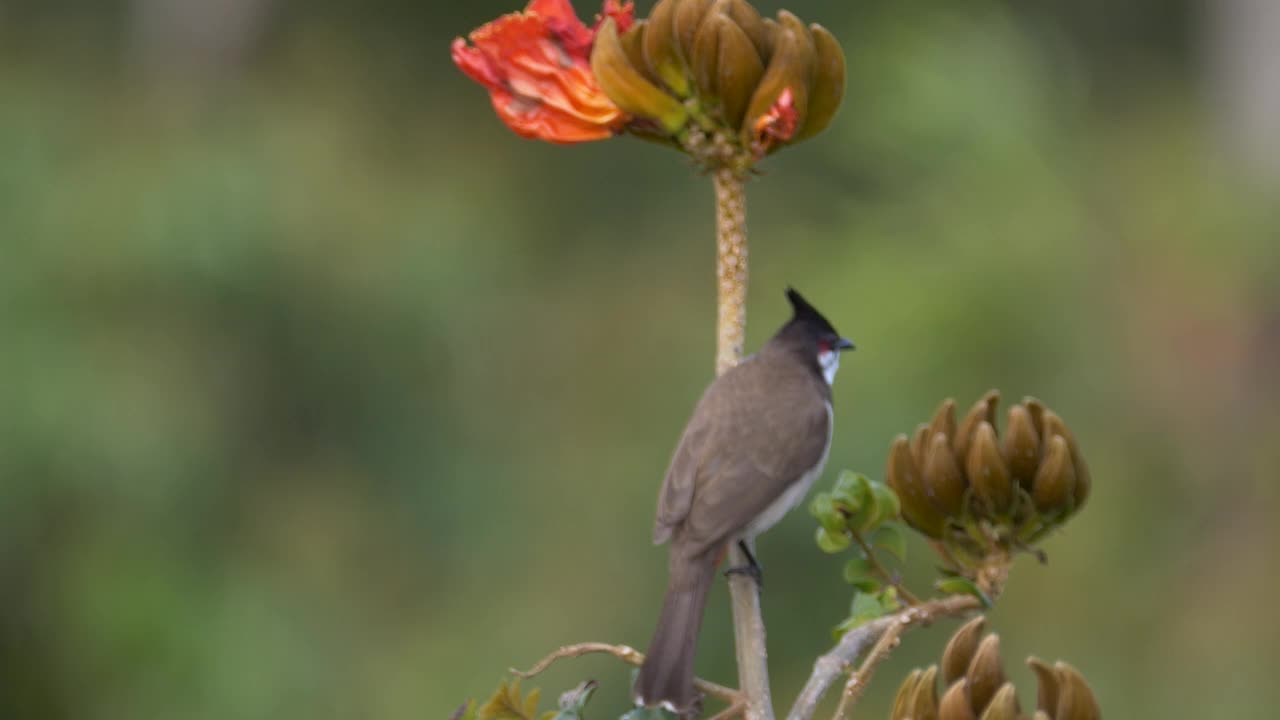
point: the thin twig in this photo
(859, 680)
(734, 710)
(628, 655)
(884, 574)
(853, 643)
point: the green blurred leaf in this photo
(832, 542)
(864, 608)
(852, 493)
(465, 712)
(887, 502)
(506, 703)
(824, 509)
(573, 701)
(891, 539)
(889, 600)
(846, 481)
(962, 586)
(858, 568)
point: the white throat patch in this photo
(829, 361)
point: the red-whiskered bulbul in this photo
(757, 440)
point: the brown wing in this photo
(709, 495)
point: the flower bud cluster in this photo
(976, 688)
(761, 82)
(974, 493)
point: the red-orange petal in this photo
(778, 125)
(536, 67)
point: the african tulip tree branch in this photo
(626, 654)
(829, 666)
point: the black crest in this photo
(808, 315)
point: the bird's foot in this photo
(752, 569)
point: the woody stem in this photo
(731, 296)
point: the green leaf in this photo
(824, 509)
(892, 540)
(887, 501)
(832, 542)
(865, 608)
(846, 481)
(866, 584)
(852, 493)
(889, 600)
(466, 712)
(573, 701)
(858, 568)
(963, 586)
(506, 704)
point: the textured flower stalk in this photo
(731, 268)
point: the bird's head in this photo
(812, 336)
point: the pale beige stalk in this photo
(731, 296)
(731, 267)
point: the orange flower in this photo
(778, 125)
(536, 66)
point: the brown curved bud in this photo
(960, 649)
(906, 693)
(920, 444)
(955, 703)
(627, 87)
(661, 54)
(738, 71)
(1021, 446)
(1084, 481)
(1075, 699)
(705, 54)
(1047, 682)
(1055, 481)
(688, 17)
(790, 68)
(924, 698)
(828, 83)
(983, 409)
(944, 420)
(1036, 410)
(987, 473)
(986, 673)
(745, 16)
(943, 481)
(632, 42)
(905, 479)
(1004, 705)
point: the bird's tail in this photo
(666, 677)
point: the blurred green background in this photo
(323, 395)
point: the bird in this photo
(757, 440)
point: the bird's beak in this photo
(845, 344)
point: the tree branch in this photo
(859, 680)
(827, 667)
(626, 654)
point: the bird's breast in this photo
(794, 493)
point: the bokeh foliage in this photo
(321, 395)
